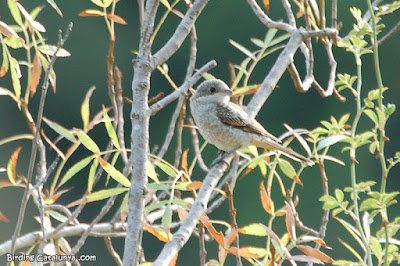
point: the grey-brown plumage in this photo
(227, 126)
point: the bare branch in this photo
(199, 206)
(267, 21)
(30, 239)
(180, 34)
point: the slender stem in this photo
(353, 162)
(381, 125)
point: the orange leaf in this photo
(266, 4)
(161, 234)
(184, 163)
(77, 202)
(315, 253)
(266, 200)
(298, 181)
(195, 185)
(36, 72)
(117, 19)
(3, 218)
(219, 237)
(13, 161)
(290, 222)
(231, 236)
(182, 214)
(3, 71)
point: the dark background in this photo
(220, 21)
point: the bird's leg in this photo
(222, 155)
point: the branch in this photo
(269, 23)
(276, 72)
(182, 89)
(199, 206)
(36, 141)
(180, 34)
(31, 239)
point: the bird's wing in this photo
(233, 115)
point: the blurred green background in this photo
(220, 21)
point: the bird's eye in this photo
(212, 90)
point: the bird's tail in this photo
(272, 145)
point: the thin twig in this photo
(36, 139)
(112, 251)
(120, 113)
(195, 141)
(155, 108)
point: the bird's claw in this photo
(218, 160)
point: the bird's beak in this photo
(228, 92)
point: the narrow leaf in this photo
(242, 49)
(12, 165)
(110, 129)
(115, 174)
(167, 217)
(75, 169)
(105, 194)
(85, 107)
(91, 13)
(116, 19)
(60, 130)
(87, 141)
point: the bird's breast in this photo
(222, 136)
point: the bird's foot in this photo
(221, 156)
(220, 159)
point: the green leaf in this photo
(166, 4)
(15, 75)
(124, 204)
(329, 141)
(75, 169)
(92, 173)
(107, 3)
(158, 186)
(54, 5)
(105, 193)
(151, 172)
(329, 202)
(87, 141)
(343, 120)
(60, 130)
(51, 49)
(269, 36)
(279, 39)
(56, 215)
(110, 129)
(167, 217)
(371, 114)
(255, 229)
(15, 12)
(339, 195)
(85, 108)
(99, 3)
(258, 42)
(115, 174)
(287, 168)
(167, 168)
(336, 211)
(242, 49)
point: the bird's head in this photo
(214, 90)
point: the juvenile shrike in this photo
(227, 126)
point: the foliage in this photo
(170, 190)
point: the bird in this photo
(227, 126)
